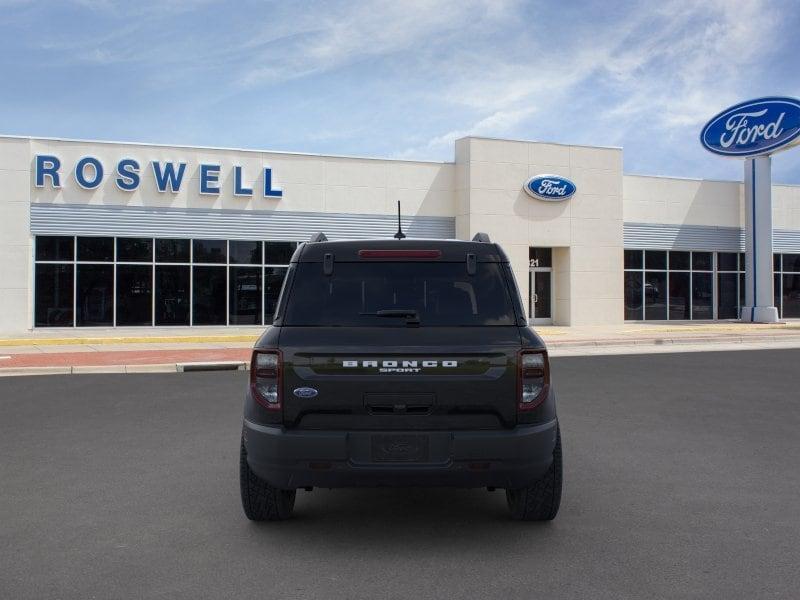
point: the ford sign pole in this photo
(754, 130)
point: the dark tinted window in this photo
(633, 259)
(791, 296)
(172, 295)
(442, 294)
(50, 247)
(134, 249)
(95, 298)
(791, 263)
(172, 250)
(208, 300)
(245, 296)
(655, 259)
(702, 296)
(776, 262)
(701, 261)
(97, 249)
(727, 296)
(679, 296)
(134, 295)
(245, 253)
(727, 261)
(655, 295)
(679, 261)
(210, 251)
(279, 253)
(633, 296)
(53, 295)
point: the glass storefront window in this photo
(791, 296)
(53, 296)
(633, 259)
(134, 250)
(172, 251)
(727, 261)
(134, 295)
(245, 253)
(278, 253)
(679, 261)
(245, 296)
(633, 296)
(727, 296)
(679, 295)
(702, 261)
(208, 299)
(209, 251)
(702, 296)
(102, 279)
(172, 294)
(655, 259)
(94, 301)
(540, 257)
(791, 263)
(96, 249)
(655, 296)
(55, 247)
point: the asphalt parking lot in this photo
(681, 481)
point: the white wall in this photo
(589, 223)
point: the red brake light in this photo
(534, 378)
(400, 254)
(266, 368)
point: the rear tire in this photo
(261, 501)
(540, 500)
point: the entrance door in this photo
(540, 305)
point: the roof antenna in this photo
(399, 235)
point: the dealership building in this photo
(107, 234)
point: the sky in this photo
(402, 78)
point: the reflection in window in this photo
(655, 296)
(96, 249)
(679, 296)
(172, 295)
(134, 295)
(278, 253)
(245, 253)
(95, 295)
(245, 296)
(633, 296)
(134, 250)
(53, 296)
(727, 295)
(702, 296)
(54, 247)
(210, 251)
(208, 299)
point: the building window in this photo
(787, 285)
(90, 281)
(682, 285)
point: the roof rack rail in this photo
(482, 237)
(318, 237)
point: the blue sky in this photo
(399, 78)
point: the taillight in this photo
(265, 378)
(534, 378)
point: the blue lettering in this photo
(80, 172)
(269, 191)
(47, 166)
(166, 176)
(209, 178)
(128, 171)
(238, 188)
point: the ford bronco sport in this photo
(400, 363)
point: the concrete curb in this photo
(132, 369)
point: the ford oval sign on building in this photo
(550, 187)
(753, 128)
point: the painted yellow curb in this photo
(185, 339)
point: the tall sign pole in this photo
(754, 130)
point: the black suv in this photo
(400, 363)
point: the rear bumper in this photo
(505, 459)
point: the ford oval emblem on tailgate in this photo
(305, 392)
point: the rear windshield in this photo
(438, 294)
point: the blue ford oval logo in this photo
(550, 187)
(305, 392)
(760, 126)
